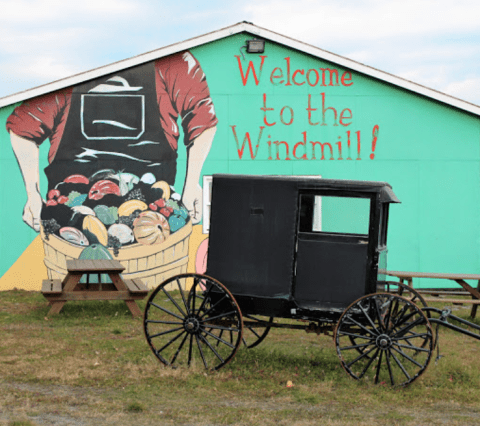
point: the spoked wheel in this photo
(384, 337)
(255, 329)
(191, 319)
(407, 292)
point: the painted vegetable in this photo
(74, 236)
(151, 228)
(95, 251)
(76, 179)
(83, 210)
(105, 214)
(148, 178)
(128, 207)
(97, 228)
(102, 174)
(122, 232)
(126, 182)
(75, 199)
(102, 188)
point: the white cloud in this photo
(467, 89)
(43, 11)
(431, 42)
(365, 20)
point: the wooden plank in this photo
(440, 292)
(440, 275)
(475, 293)
(56, 307)
(94, 295)
(136, 286)
(134, 309)
(51, 286)
(97, 265)
(454, 301)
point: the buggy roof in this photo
(315, 183)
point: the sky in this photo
(435, 43)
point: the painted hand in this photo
(31, 211)
(192, 200)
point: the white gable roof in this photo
(236, 29)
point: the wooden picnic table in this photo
(58, 292)
(468, 290)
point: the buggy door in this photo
(332, 258)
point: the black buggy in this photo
(298, 253)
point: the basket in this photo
(153, 264)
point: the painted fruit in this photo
(102, 188)
(128, 207)
(97, 228)
(151, 228)
(165, 187)
(122, 232)
(95, 251)
(74, 236)
(76, 179)
(176, 222)
(173, 204)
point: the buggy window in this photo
(327, 214)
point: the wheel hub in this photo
(383, 342)
(192, 325)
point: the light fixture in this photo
(255, 46)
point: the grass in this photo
(91, 365)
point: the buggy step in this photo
(136, 286)
(52, 286)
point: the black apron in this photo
(114, 123)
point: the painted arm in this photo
(196, 156)
(27, 154)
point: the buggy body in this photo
(298, 247)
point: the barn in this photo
(83, 156)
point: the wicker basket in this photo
(153, 264)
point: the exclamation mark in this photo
(374, 141)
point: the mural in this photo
(112, 166)
(120, 183)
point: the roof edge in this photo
(231, 30)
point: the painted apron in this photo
(114, 123)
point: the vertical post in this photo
(473, 312)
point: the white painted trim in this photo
(236, 29)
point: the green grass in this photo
(92, 362)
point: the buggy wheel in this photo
(192, 319)
(385, 338)
(255, 329)
(403, 289)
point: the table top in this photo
(90, 265)
(406, 274)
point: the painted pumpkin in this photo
(151, 228)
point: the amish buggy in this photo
(299, 253)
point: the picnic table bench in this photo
(58, 292)
(438, 293)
